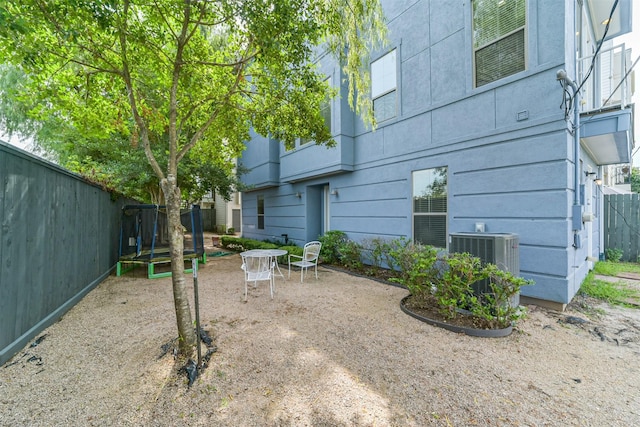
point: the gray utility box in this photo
(500, 249)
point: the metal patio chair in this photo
(309, 258)
(257, 267)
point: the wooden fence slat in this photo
(58, 239)
(634, 247)
(622, 224)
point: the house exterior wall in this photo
(506, 146)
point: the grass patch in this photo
(609, 268)
(612, 292)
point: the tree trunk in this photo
(186, 332)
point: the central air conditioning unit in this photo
(500, 249)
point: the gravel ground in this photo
(337, 351)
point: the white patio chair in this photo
(309, 258)
(257, 267)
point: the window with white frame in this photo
(499, 39)
(383, 87)
(430, 206)
(260, 212)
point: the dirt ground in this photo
(336, 351)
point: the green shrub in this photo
(497, 306)
(374, 250)
(240, 244)
(446, 281)
(453, 288)
(350, 253)
(331, 243)
(233, 243)
(415, 264)
(613, 254)
(291, 250)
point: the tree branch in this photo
(126, 76)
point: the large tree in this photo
(189, 77)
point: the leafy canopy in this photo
(168, 75)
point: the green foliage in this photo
(612, 292)
(417, 266)
(177, 85)
(241, 244)
(332, 241)
(453, 289)
(613, 254)
(496, 306)
(446, 281)
(635, 180)
(351, 255)
(607, 268)
(377, 251)
(291, 250)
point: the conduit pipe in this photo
(561, 75)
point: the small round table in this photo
(275, 253)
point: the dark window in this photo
(260, 212)
(498, 39)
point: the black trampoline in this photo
(144, 238)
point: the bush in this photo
(613, 254)
(240, 244)
(453, 289)
(497, 307)
(446, 282)
(350, 253)
(373, 250)
(292, 250)
(415, 264)
(331, 243)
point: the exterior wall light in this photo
(596, 179)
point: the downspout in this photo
(561, 75)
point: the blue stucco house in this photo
(477, 131)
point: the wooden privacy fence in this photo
(208, 219)
(59, 240)
(622, 224)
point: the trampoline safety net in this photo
(144, 232)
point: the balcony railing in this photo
(606, 86)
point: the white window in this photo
(430, 207)
(383, 86)
(498, 39)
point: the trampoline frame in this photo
(152, 256)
